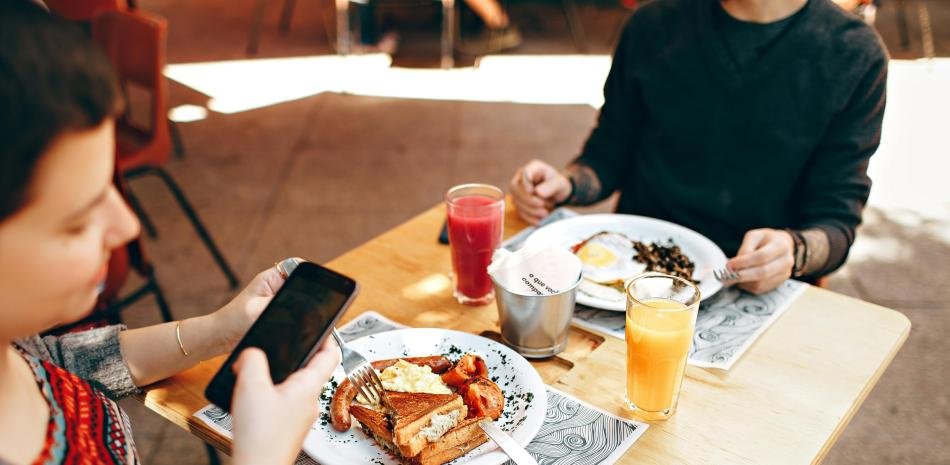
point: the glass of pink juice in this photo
(476, 214)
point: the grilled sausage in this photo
(346, 392)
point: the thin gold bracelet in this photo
(178, 336)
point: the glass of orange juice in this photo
(661, 315)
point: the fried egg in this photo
(608, 257)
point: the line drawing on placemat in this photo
(575, 433)
(733, 319)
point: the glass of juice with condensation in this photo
(476, 214)
(661, 316)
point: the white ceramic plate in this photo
(703, 252)
(525, 395)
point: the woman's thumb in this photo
(252, 369)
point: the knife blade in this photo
(507, 443)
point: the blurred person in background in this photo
(493, 33)
(497, 33)
(60, 217)
(749, 121)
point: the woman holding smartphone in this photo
(60, 216)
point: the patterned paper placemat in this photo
(573, 432)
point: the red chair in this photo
(134, 41)
(84, 10)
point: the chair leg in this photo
(159, 297)
(286, 14)
(195, 221)
(255, 31)
(575, 25)
(213, 457)
(114, 311)
(926, 30)
(448, 34)
(177, 143)
(147, 223)
(342, 27)
(326, 21)
(903, 36)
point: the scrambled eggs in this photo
(406, 377)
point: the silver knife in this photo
(507, 443)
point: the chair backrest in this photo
(83, 10)
(134, 41)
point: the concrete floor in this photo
(309, 171)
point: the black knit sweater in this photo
(784, 143)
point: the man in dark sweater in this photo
(750, 121)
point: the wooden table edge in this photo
(869, 385)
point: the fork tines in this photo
(368, 384)
(725, 275)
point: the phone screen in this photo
(289, 330)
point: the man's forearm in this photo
(587, 186)
(817, 246)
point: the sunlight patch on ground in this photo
(939, 231)
(241, 85)
(910, 168)
(877, 249)
(187, 113)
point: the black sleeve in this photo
(836, 185)
(608, 148)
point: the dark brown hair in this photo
(53, 79)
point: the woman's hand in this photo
(764, 260)
(271, 422)
(236, 316)
(536, 188)
(153, 353)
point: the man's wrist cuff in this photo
(570, 195)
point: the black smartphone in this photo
(444, 233)
(291, 328)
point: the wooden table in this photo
(786, 401)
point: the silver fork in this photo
(361, 373)
(725, 275)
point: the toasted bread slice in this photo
(376, 424)
(454, 444)
(419, 419)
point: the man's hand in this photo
(536, 188)
(271, 422)
(764, 260)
